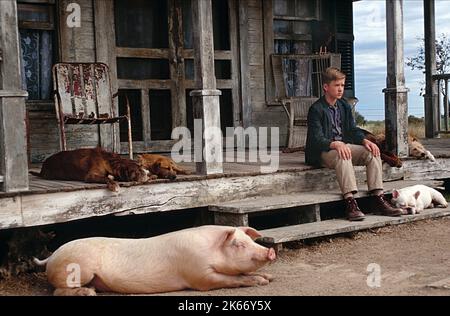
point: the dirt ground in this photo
(410, 257)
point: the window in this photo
(307, 27)
(37, 44)
(292, 25)
(288, 29)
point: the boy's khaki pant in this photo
(345, 172)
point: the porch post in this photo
(206, 97)
(431, 87)
(396, 94)
(13, 145)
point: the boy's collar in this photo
(328, 104)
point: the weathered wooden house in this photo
(172, 57)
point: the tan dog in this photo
(162, 166)
(416, 149)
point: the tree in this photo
(442, 56)
(360, 120)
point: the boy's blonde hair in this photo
(332, 74)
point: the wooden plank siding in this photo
(13, 146)
(261, 114)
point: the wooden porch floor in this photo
(49, 202)
(292, 162)
(288, 162)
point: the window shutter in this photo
(344, 41)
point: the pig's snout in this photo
(271, 254)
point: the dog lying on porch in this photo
(93, 165)
(162, 166)
(416, 149)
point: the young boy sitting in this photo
(334, 141)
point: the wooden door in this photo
(154, 59)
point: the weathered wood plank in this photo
(269, 48)
(424, 169)
(244, 64)
(105, 52)
(227, 219)
(339, 226)
(234, 26)
(178, 93)
(206, 98)
(431, 86)
(261, 204)
(146, 122)
(156, 84)
(396, 94)
(57, 207)
(13, 145)
(13, 217)
(142, 52)
(78, 43)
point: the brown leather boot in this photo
(380, 205)
(352, 210)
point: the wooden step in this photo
(259, 204)
(235, 213)
(338, 226)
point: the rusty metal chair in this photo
(83, 95)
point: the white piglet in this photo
(201, 258)
(416, 198)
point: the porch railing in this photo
(443, 106)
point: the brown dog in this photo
(386, 156)
(92, 165)
(162, 166)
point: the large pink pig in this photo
(202, 258)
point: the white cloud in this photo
(370, 51)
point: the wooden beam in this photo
(396, 94)
(13, 146)
(244, 57)
(431, 88)
(105, 52)
(206, 97)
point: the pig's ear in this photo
(416, 195)
(253, 233)
(229, 235)
(395, 194)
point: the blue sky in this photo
(370, 52)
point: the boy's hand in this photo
(373, 148)
(343, 150)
